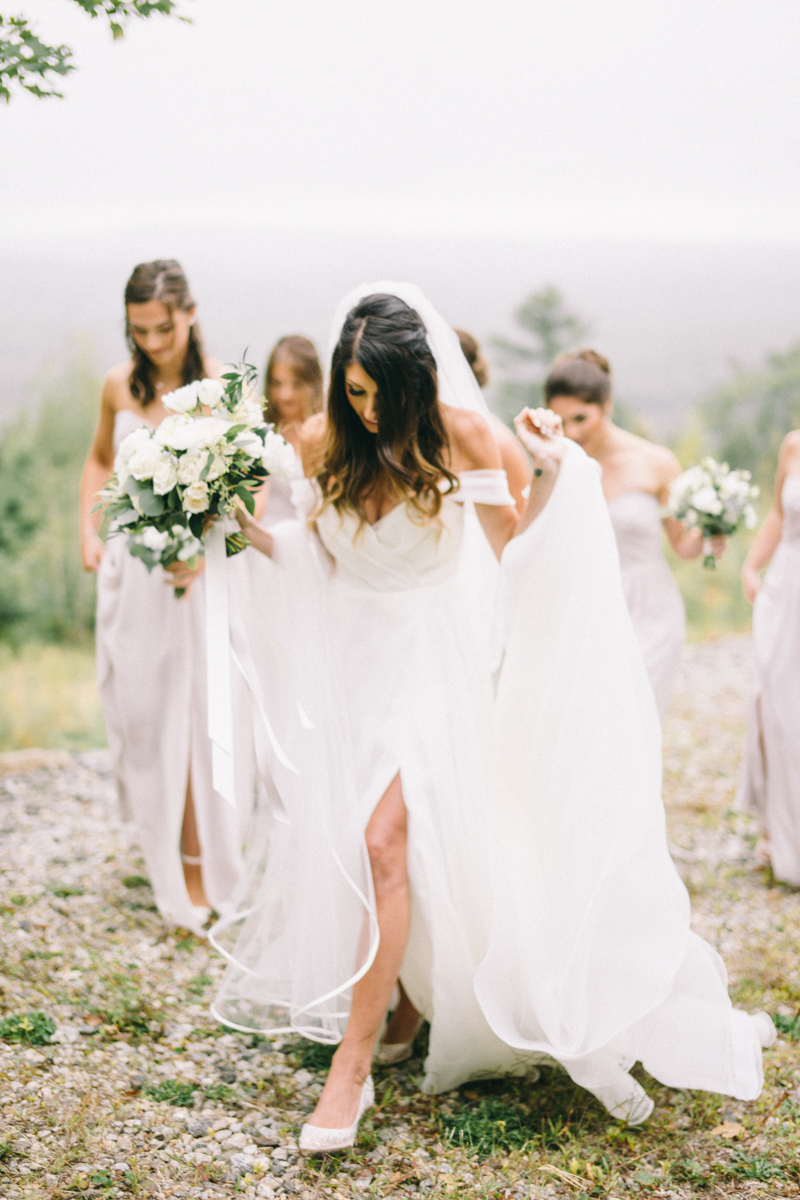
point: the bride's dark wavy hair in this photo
(387, 339)
(164, 280)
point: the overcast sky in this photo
(665, 118)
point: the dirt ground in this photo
(116, 1081)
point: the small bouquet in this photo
(213, 450)
(714, 499)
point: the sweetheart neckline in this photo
(633, 492)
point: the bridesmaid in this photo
(516, 463)
(636, 478)
(292, 393)
(150, 646)
(770, 779)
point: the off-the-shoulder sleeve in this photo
(484, 487)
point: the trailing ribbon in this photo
(218, 662)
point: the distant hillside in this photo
(670, 317)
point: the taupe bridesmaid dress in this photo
(152, 678)
(653, 597)
(770, 778)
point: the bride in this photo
(435, 823)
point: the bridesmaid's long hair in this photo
(387, 339)
(584, 374)
(299, 353)
(165, 281)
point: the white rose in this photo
(706, 500)
(183, 400)
(249, 443)
(278, 457)
(145, 459)
(218, 467)
(195, 498)
(165, 475)
(190, 465)
(153, 539)
(210, 392)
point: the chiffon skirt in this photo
(548, 921)
(152, 681)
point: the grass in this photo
(715, 603)
(48, 698)
(31, 1028)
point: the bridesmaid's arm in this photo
(96, 471)
(687, 543)
(770, 533)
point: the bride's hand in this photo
(542, 434)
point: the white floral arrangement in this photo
(212, 451)
(714, 499)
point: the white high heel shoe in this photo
(315, 1140)
(767, 1033)
(390, 1053)
(625, 1099)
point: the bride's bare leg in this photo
(190, 846)
(403, 1021)
(386, 843)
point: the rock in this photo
(198, 1128)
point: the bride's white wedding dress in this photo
(152, 681)
(547, 917)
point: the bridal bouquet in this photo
(213, 450)
(714, 499)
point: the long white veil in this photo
(458, 386)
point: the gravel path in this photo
(115, 1081)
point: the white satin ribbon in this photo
(218, 663)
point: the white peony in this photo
(195, 498)
(176, 432)
(190, 547)
(210, 392)
(145, 459)
(126, 449)
(183, 400)
(278, 457)
(209, 430)
(165, 475)
(706, 500)
(249, 443)
(190, 465)
(153, 539)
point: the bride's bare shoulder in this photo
(313, 433)
(472, 443)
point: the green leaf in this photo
(96, 508)
(246, 496)
(151, 504)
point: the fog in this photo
(642, 156)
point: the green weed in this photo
(31, 1028)
(171, 1091)
(136, 881)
